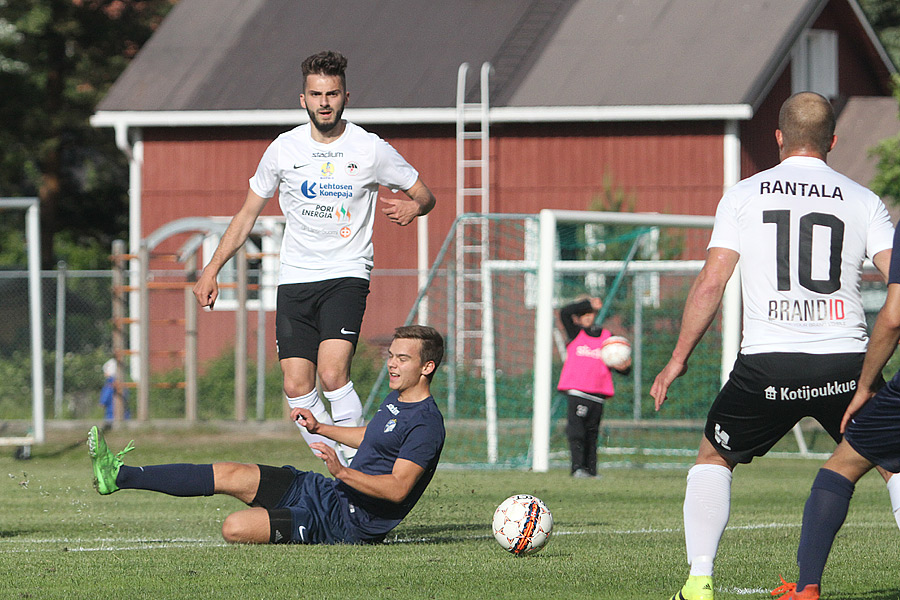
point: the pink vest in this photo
(584, 370)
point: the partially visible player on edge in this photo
(871, 428)
(398, 454)
(800, 232)
(327, 173)
(586, 381)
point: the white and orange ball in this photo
(616, 352)
(522, 524)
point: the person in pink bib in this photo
(586, 381)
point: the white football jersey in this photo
(802, 230)
(328, 194)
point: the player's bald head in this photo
(806, 122)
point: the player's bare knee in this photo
(332, 378)
(296, 388)
(234, 530)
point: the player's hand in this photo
(859, 400)
(328, 454)
(401, 211)
(206, 290)
(672, 371)
(305, 418)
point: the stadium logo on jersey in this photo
(722, 437)
(806, 392)
(394, 410)
(799, 188)
(390, 425)
(352, 168)
(328, 154)
(807, 311)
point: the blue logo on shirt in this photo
(389, 426)
(309, 189)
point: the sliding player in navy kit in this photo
(398, 454)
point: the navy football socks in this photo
(175, 480)
(825, 511)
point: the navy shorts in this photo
(874, 431)
(307, 313)
(767, 394)
(317, 514)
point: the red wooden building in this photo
(673, 100)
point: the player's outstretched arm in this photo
(403, 211)
(394, 487)
(349, 436)
(700, 308)
(885, 335)
(206, 290)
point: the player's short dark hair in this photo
(432, 343)
(326, 62)
(807, 121)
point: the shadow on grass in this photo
(441, 534)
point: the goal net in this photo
(494, 291)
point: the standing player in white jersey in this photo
(800, 232)
(327, 173)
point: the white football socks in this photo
(893, 486)
(346, 409)
(707, 504)
(312, 402)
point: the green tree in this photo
(57, 60)
(886, 182)
(884, 16)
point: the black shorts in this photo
(874, 431)
(307, 313)
(767, 394)
(316, 511)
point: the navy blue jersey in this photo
(413, 431)
(894, 274)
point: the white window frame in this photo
(271, 246)
(814, 63)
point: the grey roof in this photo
(246, 54)
(861, 124)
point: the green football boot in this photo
(698, 587)
(106, 464)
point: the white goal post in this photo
(33, 245)
(543, 340)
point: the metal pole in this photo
(190, 343)
(60, 338)
(260, 352)
(543, 345)
(118, 330)
(240, 341)
(33, 241)
(638, 285)
(143, 401)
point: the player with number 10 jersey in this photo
(810, 228)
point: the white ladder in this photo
(472, 196)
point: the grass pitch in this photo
(618, 537)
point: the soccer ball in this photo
(522, 524)
(615, 352)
